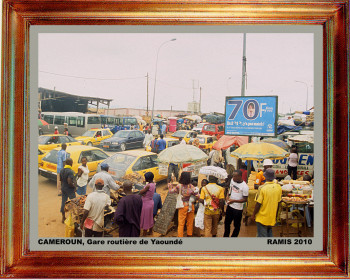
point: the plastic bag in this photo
(69, 232)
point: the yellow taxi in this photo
(206, 142)
(51, 141)
(94, 136)
(41, 154)
(127, 162)
(169, 143)
(48, 166)
(184, 134)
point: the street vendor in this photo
(109, 183)
(260, 179)
(93, 217)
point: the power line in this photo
(89, 78)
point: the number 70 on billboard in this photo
(251, 115)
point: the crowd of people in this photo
(200, 207)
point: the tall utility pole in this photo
(200, 100)
(244, 69)
(147, 95)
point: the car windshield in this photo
(121, 134)
(119, 162)
(180, 134)
(43, 139)
(201, 140)
(200, 125)
(89, 133)
(52, 156)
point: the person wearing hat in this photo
(260, 179)
(267, 203)
(93, 217)
(56, 130)
(109, 183)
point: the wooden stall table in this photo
(288, 218)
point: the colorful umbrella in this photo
(216, 171)
(277, 142)
(181, 154)
(42, 122)
(302, 138)
(259, 151)
(227, 141)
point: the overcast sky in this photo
(115, 65)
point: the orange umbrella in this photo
(227, 141)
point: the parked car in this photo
(199, 128)
(123, 140)
(206, 142)
(41, 154)
(48, 167)
(94, 136)
(214, 130)
(127, 162)
(169, 143)
(52, 141)
(185, 134)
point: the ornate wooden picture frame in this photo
(17, 260)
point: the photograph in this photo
(159, 124)
(142, 119)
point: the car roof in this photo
(136, 153)
(184, 130)
(78, 148)
(170, 139)
(52, 135)
(95, 129)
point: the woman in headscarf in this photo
(147, 222)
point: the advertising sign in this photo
(305, 165)
(251, 115)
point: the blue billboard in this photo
(251, 115)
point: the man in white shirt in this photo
(93, 217)
(237, 195)
(148, 139)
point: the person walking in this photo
(267, 203)
(148, 139)
(146, 221)
(61, 158)
(154, 146)
(68, 187)
(237, 195)
(93, 216)
(83, 177)
(109, 182)
(161, 144)
(293, 163)
(128, 213)
(185, 215)
(213, 198)
(173, 169)
(56, 130)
